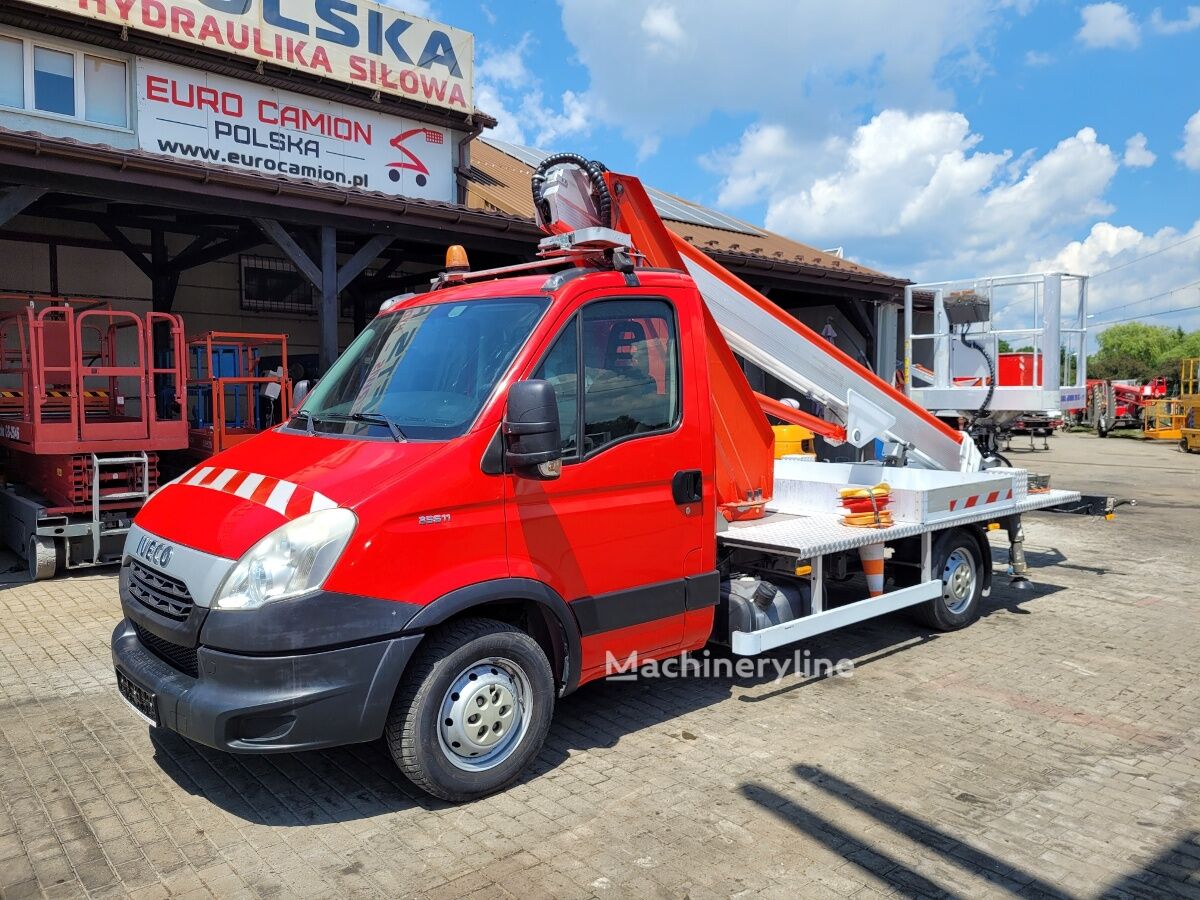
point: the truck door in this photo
(611, 534)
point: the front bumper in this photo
(271, 703)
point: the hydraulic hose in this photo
(982, 412)
(595, 172)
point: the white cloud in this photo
(507, 90)
(907, 187)
(1037, 58)
(1108, 25)
(661, 24)
(1189, 22)
(506, 67)
(660, 68)
(1189, 154)
(1135, 275)
(1137, 154)
(547, 125)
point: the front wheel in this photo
(957, 560)
(472, 711)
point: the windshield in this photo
(422, 373)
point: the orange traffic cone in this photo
(872, 564)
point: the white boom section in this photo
(771, 345)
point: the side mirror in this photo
(531, 431)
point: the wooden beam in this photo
(327, 311)
(285, 242)
(13, 203)
(389, 267)
(365, 255)
(190, 259)
(126, 246)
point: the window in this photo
(12, 72)
(53, 81)
(561, 369)
(40, 77)
(425, 370)
(275, 285)
(630, 356)
(104, 89)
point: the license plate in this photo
(140, 700)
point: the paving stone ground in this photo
(1051, 750)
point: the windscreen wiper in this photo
(377, 419)
(309, 421)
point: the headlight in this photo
(293, 559)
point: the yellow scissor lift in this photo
(1189, 401)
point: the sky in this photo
(933, 140)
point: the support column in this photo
(327, 308)
(886, 316)
(325, 275)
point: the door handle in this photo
(687, 486)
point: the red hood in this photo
(226, 504)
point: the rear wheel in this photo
(472, 711)
(42, 556)
(956, 559)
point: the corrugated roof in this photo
(499, 181)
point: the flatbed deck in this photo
(818, 534)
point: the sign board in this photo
(355, 41)
(210, 119)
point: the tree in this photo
(1147, 343)
(1115, 367)
(1140, 351)
(1003, 346)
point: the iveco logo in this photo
(154, 551)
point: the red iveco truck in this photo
(510, 480)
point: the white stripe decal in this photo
(200, 475)
(226, 476)
(246, 488)
(320, 501)
(278, 500)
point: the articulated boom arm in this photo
(767, 336)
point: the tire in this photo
(41, 554)
(956, 558)
(465, 677)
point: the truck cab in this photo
(494, 488)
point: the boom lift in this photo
(955, 367)
(533, 477)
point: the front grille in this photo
(174, 655)
(165, 595)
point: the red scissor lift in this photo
(88, 396)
